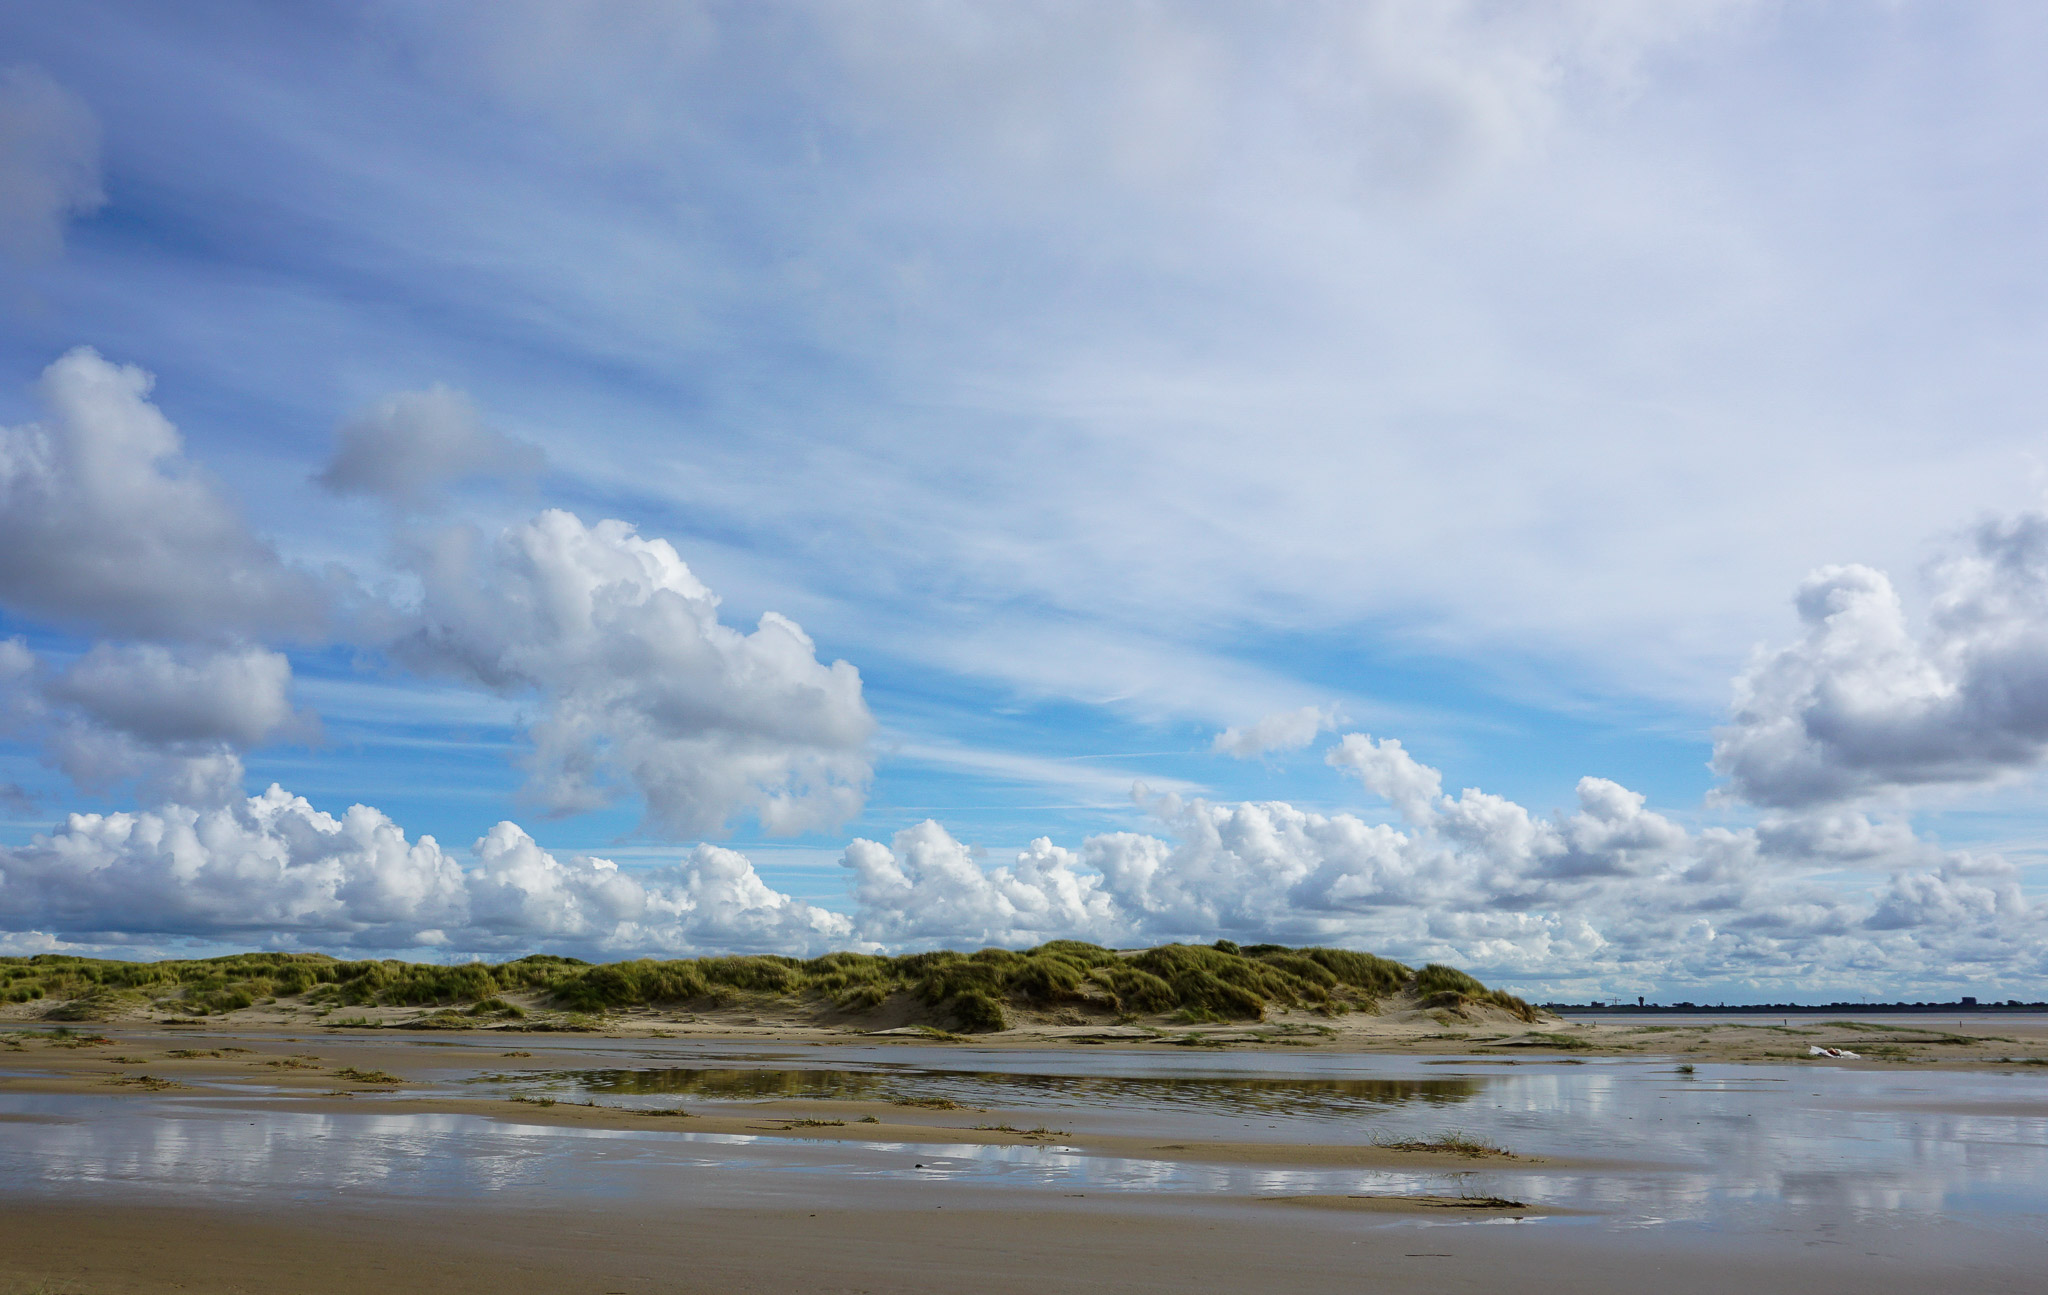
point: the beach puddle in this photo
(1146, 1095)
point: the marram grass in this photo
(972, 992)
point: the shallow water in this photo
(1741, 1148)
(1146, 1095)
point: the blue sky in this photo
(1542, 387)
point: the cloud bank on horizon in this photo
(1098, 555)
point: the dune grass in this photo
(946, 990)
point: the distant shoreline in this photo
(1786, 1009)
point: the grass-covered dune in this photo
(974, 992)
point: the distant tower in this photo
(1639, 1000)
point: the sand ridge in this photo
(1401, 1026)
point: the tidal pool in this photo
(1739, 1148)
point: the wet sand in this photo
(798, 1193)
(1401, 1027)
(928, 1247)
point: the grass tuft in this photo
(353, 1075)
(1546, 1039)
(1454, 1143)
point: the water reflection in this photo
(1760, 1147)
(109, 1145)
(1288, 1097)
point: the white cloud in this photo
(101, 760)
(1612, 894)
(1608, 896)
(643, 689)
(240, 696)
(1413, 93)
(930, 889)
(172, 720)
(272, 869)
(1287, 730)
(1861, 706)
(1088, 783)
(411, 445)
(49, 163)
(1389, 772)
(106, 525)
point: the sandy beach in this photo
(701, 1156)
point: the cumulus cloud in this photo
(643, 689)
(49, 163)
(240, 696)
(930, 888)
(1287, 730)
(106, 525)
(272, 869)
(1609, 895)
(1861, 706)
(171, 720)
(1389, 772)
(413, 444)
(102, 760)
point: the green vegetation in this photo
(1449, 987)
(63, 1038)
(947, 991)
(1454, 1143)
(1545, 1039)
(354, 1075)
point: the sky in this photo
(1555, 488)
